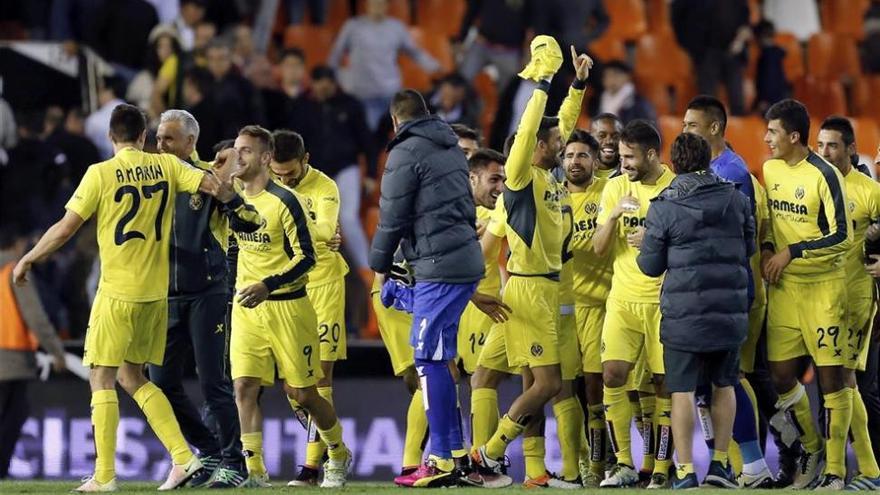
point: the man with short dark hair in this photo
(468, 139)
(427, 210)
(836, 144)
(700, 234)
(620, 95)
(807, 300)
(606, 128)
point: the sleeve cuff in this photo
(271, 283)
(768, 246)
(544, 85)
(578, 84)
(796, 250)
(234, 203)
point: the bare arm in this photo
(52, 240)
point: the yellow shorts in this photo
(123, 331)
(473, 329)
(329, 302)
(640, 377)
(860, 314)
(569, 350)
(395, 327)
(627, 328)
(494, 353)
(589, 326)
(807, 319)
(757, 315)
(276, 333)
(531, 331)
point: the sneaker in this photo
(584, 467)
(181, 473)
(542, 481)
(335, 472)
(592, 480)
(831, 482)
(408, 470)
(210, 464)
(621, 476)
(428, 475)
(689, 482)
(564, 484)
(720, 476)
(90, 485)
(229, 476)
(659, 481)
(809, 469)
(644, 478)
(307, 477)
(864, 483)
(788, 466)
(256, 481)
(465, 473)
(761, 481)
(492, 470)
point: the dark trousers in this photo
(870, 390)
(14, 411)
(198, 324)
(720, 66)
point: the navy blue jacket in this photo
(427, 207)
(700, 232)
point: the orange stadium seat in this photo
(488, 92)
(866, 100)
(438, 47)
(608, 48)
(658, 94)
(844, 17)
(746, 137)
(792, 64)
(660, 58)
(628, 20)
(396, 8)
(440, 17)
(822, 97)
(658, 16)
(670, 128)
(867, 135)
(315, 41)
(338, 12)
(832, 56)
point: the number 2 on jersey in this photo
(148, 192)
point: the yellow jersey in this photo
(863, 203)
(628, 282)
(321, 197)
(532, 195)
(606, 174)
(762, 227)
(281, 252)
(566, 276)
(132, 196)
(592, 273)
(808, 214)
(491, 284)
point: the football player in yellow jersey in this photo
(804, 266)
(632, 312)
(836, 144)
(129, 195)
(535, 235)
(606, 128)
(326, 286)
(592, 281)
(273, 321)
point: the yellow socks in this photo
(416, 431)
(635, 406)
(569, 425)
(664, 449)
(649, 431)
(861, 442)
(508, 431)
(838, 416)
(751, 393)
(316, 447)
(618, 416)
(534, 452)
(597, 436)
(803, 417)
(720, 456)
(736, 458)
(684, 469)
(161, 418)
(333, 438)
(252, 447)
(105, 420)
(484, 415)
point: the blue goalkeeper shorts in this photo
(437, 309)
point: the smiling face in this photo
(488, 184)
(607, 132)
(833, 149)
(635, 161)
(289, 172)
(780, 141)
(698, 122)
(171, 138)
(252, 157)
(578, 163)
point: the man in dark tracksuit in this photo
(197, 299)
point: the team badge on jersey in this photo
(537, 350)
(196, 202)
(591, 208)
(799, 193)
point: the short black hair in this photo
(323, 72)
(841, 125)
(690, 153)
(642, 133)
(127, 123)
(465, 132)
(583, 137)
(293, 52)
(619, 65)
(547, 123)
(289, 145)
(711, 106)
(483, 157)
(793, 116)
(408, 104)
(223, 145)
(261, 134)
(608, 116)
